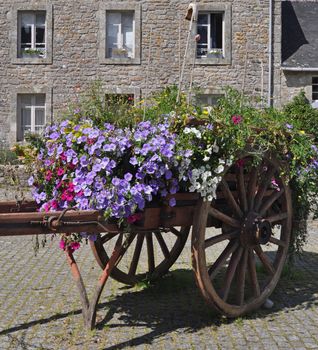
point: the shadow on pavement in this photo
(174, 304)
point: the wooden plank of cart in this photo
(251, 217)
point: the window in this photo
(205, 100)
(31, 114)
(214, 29)
(120, 99)
(119, 41)
(315, 89)
(120, 34)
(210, 29)
(32, 34)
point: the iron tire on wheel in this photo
(238, 267)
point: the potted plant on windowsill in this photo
(33, 53)
(215, 53)
(119, 53)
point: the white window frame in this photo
(209, 32)
(124, 6)
(15, 33)
(225, 57)
(120, 35)
(33, 32)
(33, 107)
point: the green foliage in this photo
(303, 114)
(8, 157)
(101, 108)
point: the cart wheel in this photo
(238, 265)
(149, 254)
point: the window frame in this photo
(15, 106)
(226, 10)
(126, 90)
(33, 107)
(15, 33)
(314, 91)
(119, 7)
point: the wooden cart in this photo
(249, 224)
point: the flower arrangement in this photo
(93, 164)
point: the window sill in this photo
(32, 60)
(213, 61)
(123, 60)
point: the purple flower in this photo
(172, 202)
(289, 126)
(128, 177)
(133, 161)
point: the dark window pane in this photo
(315, 80)
(202, 19)
(315, 96)
(217, 30)
(203, 31)
(40, 35)
(25, 35)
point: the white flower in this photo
(219, 169)
(215, 147)
(206, 158)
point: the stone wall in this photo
(13, 183)
(75, 60)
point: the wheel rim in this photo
(253, 214)
(149, 255)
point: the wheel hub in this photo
(255, 230)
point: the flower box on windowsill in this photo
(119, 53)
(215, 54)
(30, 53)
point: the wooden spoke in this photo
(151, 256)
(265, 260)
(219, 238)
(251, 188)
(262, 189)
(136, 256)
(108, 236)
(241, 188)
(127, 243)
(277, 218)
(224, 218)
(253, 274)
(269, 202)
(241, 274)
(162, 244)
(220, 261)
(235, 258)
(176, 232)
(278, 242)
(230, 199)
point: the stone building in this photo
(52, 50)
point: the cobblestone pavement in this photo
(40, 307)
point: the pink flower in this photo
(62, 244)
(63, 156)
(46, 207)
(75, 246)
(275, 184)
(240, 163)
(54, 204)
(237, 119)
(133, 218)
(48, 175)
(60, 171)
(71, 187)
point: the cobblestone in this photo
(40, 307)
